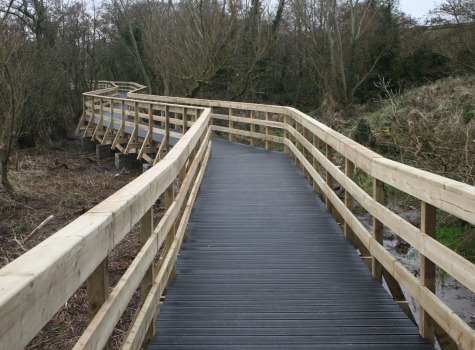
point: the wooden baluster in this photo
(150, 121)
(286, 133)
(350, 173)
(267, 131)
(253, 129)
(167, 129)
(295, 142)
(329, 179)
(101, 108)
(136, 115)
(378, 195)
(146, 230)
(169, 197)
(305, 152)
(230, 125)
(98, 291)
(428, 226)
(111, 102)
(185, 125)
(122, 112)
(299, 147)
(316, 164)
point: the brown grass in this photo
(63, 181)
(432, 128)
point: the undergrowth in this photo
(458, 238)
(431, 128)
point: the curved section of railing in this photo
(327, 158)
(36, 285)
(132, 126)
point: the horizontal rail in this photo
(37, 284)
(132, 126)
(303, 138)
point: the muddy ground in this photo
(63, 181)
(459, 298)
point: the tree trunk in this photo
(8, 134)
(139, 59)
(5, 182)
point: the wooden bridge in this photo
(260, 263)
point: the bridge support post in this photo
(103, 151)
(428, 226)
(88, 145)
(127, 161)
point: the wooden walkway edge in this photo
(265, 266)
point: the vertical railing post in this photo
(182, 176)
(146, 230)
(230, 125)
(169, 197)
(329, 179)
(122, 112)
(253, 129)
(150, 121)
(267, 131)
(428, 226)
(316, 164)
(136, 116)
(295, 126)
(167, 129)
(111, 102)
(92, 121)
(350, 173)
(185, 122)
(98, 290)
(101, 107)
(298, 145)
(305, 152)
(286, 133)
(378, 196)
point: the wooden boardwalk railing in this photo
(36, 285)
(132, 126)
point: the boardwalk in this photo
(265, 266)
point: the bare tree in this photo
(457, 17)
(15, 69)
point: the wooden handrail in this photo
(303, 141)
(36, 285)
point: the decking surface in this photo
(265, 266)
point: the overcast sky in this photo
(418, 8)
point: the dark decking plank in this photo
(265, 266)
